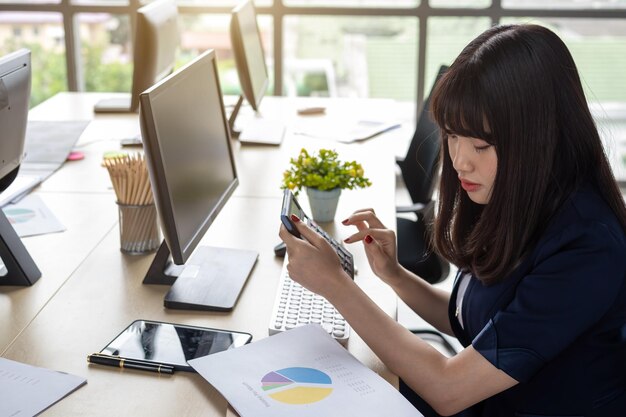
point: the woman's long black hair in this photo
(517, 87)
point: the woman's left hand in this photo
(380, 244)
(313, 263)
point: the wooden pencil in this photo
(131, 184)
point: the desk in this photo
(90, 291)
(57, 255)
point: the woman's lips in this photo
(469, 186)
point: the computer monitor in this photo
(248, 51)
(155, 46)
(250, 61)
(192, 174)
(245, 39)
(16, 266)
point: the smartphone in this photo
(290, 206)
(172, 344)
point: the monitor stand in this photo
(211, 279)
(19, 268)
(258, 130)
(233, 116)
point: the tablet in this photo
(172, 344)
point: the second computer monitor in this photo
(156, 43)
(155, 46)
(248, 51)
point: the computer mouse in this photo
(280, 249)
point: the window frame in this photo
(422, 12)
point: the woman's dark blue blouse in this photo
(557, 324)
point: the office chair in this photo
(420, 172)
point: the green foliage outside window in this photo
(313, 84)
(48, 70)
(110, 76)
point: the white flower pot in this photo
(323, 203)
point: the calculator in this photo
(290, 206)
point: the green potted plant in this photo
(324, 176)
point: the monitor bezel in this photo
(241, 62)
(180, 251)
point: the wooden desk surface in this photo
(90, 291)
(88, 218)
(106, 293)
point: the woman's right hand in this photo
(379, 242)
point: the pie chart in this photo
(297, 385)
(19, 215)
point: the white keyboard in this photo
(296, 306)
(259, 131)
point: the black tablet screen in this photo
(172, 344)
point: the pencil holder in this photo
(139, 230)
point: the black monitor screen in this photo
(189, 155)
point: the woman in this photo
(530, 213)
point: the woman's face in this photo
(475, 162)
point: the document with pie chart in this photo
(302, 372)
(30, 217)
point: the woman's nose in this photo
(461, 160)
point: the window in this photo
(47, 47)
(447, 36)
(350, 56)
(564, 4)
(478, 4)
(200, 32)
(349, 48)
(599, 51)
(106, 51)
(353, 3)
(218, 3)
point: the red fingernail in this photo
(345, 221)
(368, 239)
(347, 240)
(295, 218)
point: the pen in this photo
(103, 359)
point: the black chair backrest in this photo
(421, 164)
